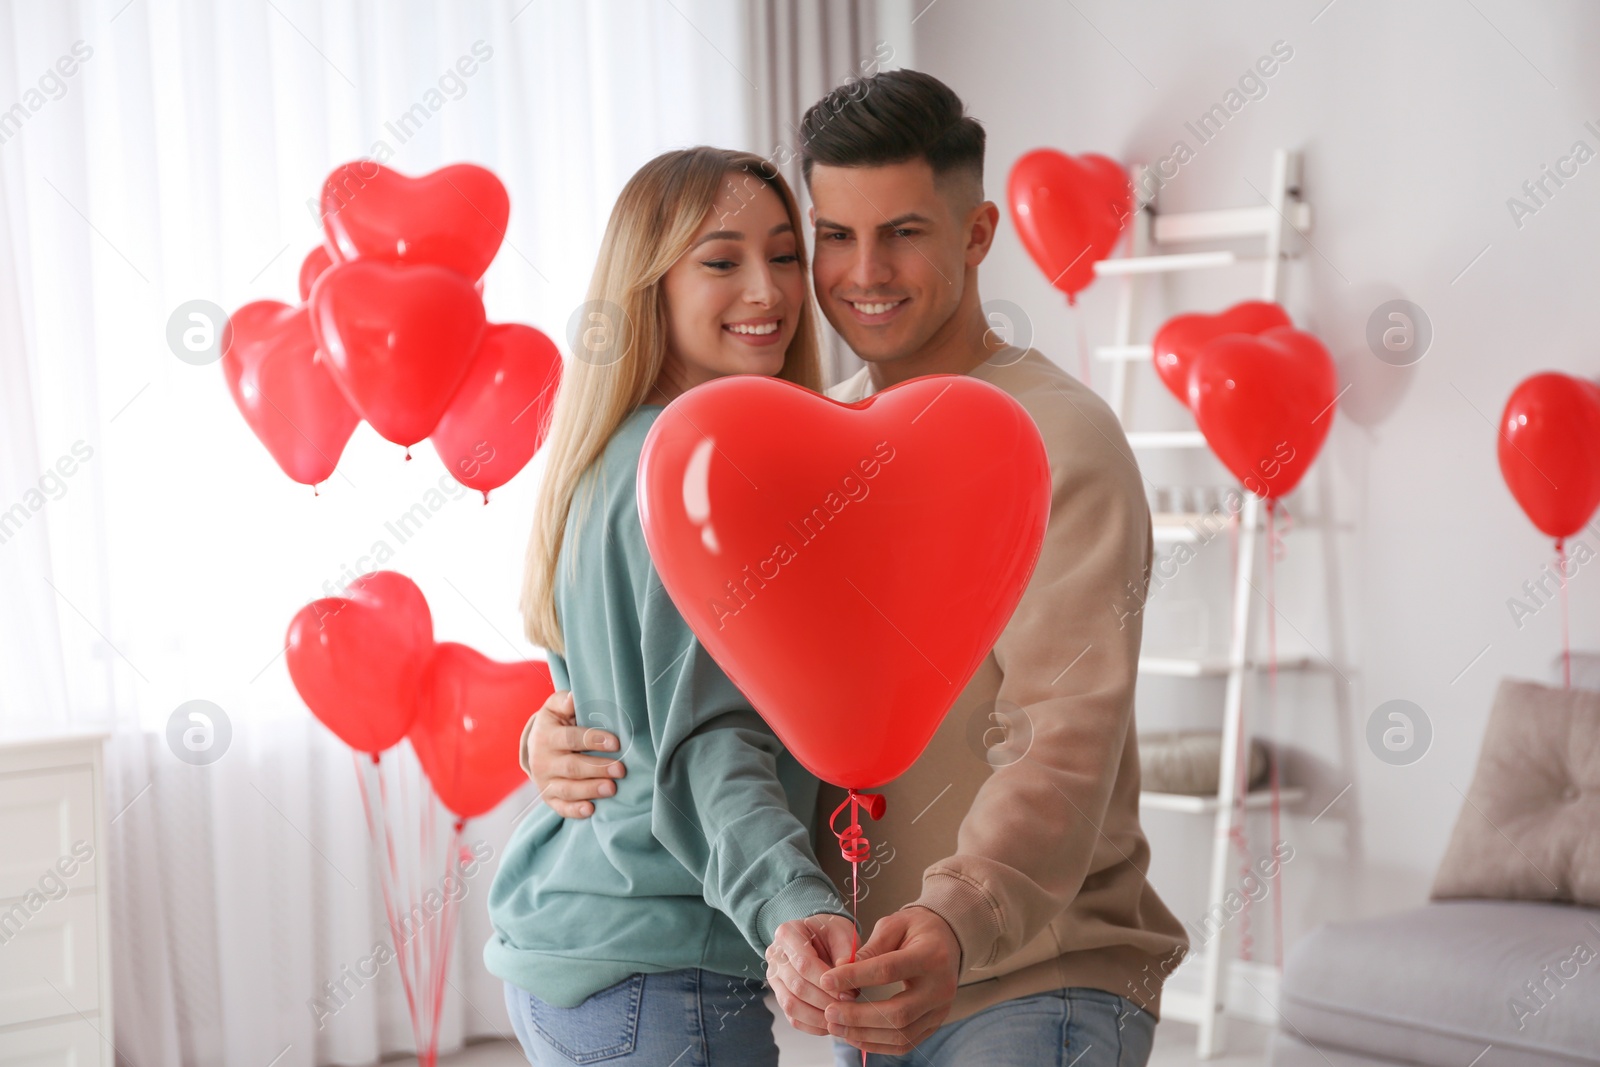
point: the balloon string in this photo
(384, 882)
(430, 931)
(1083, 346)
(1272, 714)
(1566, 640)
(854, 847)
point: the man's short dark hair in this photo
(893, 117)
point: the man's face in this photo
(892, 250)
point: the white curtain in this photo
(150, 551)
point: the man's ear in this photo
(811, 216)
(980, 232)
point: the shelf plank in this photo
(1207, 805)
(1212, 667)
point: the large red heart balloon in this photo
(284, 390)
(1265, 404)
(848, 565)
(399, 340)
(357, 660)
(1069, 211)
(1182, 336)
(1549, 450)
(454, 217)
(497, 419)
(468, 730)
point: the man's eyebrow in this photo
(893, 223)
(736, 235)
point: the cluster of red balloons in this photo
(1069, 212)
(392, 329)
(854, 594)
(1261, 391)
(367, 665)
(1549, 450)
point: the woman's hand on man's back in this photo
(567, 779)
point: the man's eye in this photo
(833, 236)
(903, 232)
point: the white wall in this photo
(1417, 122)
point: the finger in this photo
(896, 966)
(782, 970)
(888, 934)
(892, 1040)
(801, 1016)
(569, 789)
(576, 765)
(569, 809)
(579, 739)
(901, 1013)
(882, 1042)
(560, 704)
(840, 941)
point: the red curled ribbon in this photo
(854, 847)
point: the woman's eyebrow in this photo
(737, 235)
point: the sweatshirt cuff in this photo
(969, 910)
(803, 897)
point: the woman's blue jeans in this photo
(687, 1018)
(1076, 1027)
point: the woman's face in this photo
(734, 298)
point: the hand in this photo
(568, 780)
(914, 946)
(801, 950)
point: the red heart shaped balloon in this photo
(848, 566)
(1182, 336)
(311, 268)
(497, 419)
(1549, 450)
(1069, 212)
(284, 390)
(1265, 404)
(357, 660)
(399, 340)
(468, 730)
(454, 217)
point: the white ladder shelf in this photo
(1267, 223)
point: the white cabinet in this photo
(55, 963)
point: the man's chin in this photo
(873, 347)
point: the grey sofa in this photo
(1501, 968)
(1490, 983)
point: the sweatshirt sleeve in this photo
(719, 808)
(1069, 660)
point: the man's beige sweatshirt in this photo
(1031, 849)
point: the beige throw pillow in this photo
(1529, 828)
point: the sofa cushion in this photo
(1441, 983)
(1529, 828)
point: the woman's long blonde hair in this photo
(622, 345)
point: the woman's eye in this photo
(720, 264)
(789, 257)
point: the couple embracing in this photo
(642, 912)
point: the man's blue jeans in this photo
(681, 1017)
(1074, 1027)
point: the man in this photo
(1011, 921)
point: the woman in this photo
(637, 935)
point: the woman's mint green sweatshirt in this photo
(706, 847)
